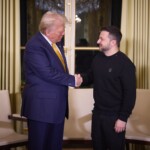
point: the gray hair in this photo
(48, 20)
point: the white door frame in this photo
(80, 100)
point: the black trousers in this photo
(103, 134)
(45, 136)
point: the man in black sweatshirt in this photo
(114, 80)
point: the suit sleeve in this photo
(37, 66)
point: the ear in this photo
(113, 42)
(48, 31)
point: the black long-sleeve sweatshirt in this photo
(114, 81)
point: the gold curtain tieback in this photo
(54, 46)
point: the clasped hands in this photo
(78, 80)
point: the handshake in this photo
(78, 80)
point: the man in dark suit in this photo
(45, 95)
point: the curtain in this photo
(10, 47)
(135, 27)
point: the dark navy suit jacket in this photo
(45, 96)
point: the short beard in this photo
(103, 50)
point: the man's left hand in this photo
(120, 126)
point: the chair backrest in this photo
(139, 121)
(6, 126)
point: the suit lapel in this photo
(50, 49)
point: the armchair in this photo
(9, 138)
(138, 126)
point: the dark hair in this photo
(114, 33)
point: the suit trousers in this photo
(45, 136)
(103, 135)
